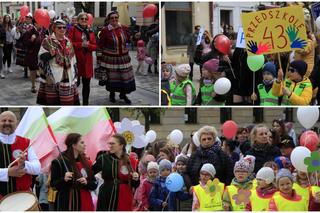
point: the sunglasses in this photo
(62, 28)
(84, 19)
(292, 69)
(114, 17)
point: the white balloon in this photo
(140, 143)
(195, 139)
(318, 23)
(117, 125)
(297, 157)
(151, 136)
(308, 116)
(135, 122)
(222, 86)
(52, 14)
(176, 136)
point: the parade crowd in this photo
(253, 171)
(218, 57)
(60, 56)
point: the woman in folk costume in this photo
(58, 63)
(73, 184)
(84, 42)
(115, 194)
(115, 58)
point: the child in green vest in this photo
(237, 195)
(263, 94)
(296, 89)
(261, 196)
(182, 90)
(207, 195)
(210, 74)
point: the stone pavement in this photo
(15, 90)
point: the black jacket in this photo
(219, 159)
(2, 36)
(267, 154)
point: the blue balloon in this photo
(174, 182)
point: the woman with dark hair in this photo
(72, 177)
(84, 43)
(229, 146)
(32, 40)
(115, 58)
(279, 126)
(274, 137)
(8, 46)
(165, 153)
(115, 194)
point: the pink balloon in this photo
(90, 19)
(310, 140)
(149, 11)
(223, 44)
(229, 129)
(24, 10)
(42, 17)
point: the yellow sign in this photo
(274, 30)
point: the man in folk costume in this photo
(12, 147)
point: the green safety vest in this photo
(296, 90)
(266, 98)
(178, 96)
(206, 96)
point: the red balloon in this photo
(229, 129)
(149, 11)
(223, 44)
(310, 140)
(42, 17)
(90, 19)
(24, 10)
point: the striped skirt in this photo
(120, 73)
(58, 94)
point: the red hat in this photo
(211, 65)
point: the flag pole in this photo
(22, 153)
(64, 163)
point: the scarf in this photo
(260, 146)
(150, 180)
(208, 154)
(63, 55)
(86, 31)
(268, 82)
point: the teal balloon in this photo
(255, 62)
(174, 182)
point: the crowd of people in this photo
(61, 57)
(251, 172)
(297, 71)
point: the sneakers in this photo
(33, 89)
(10, 70)
(2, 76)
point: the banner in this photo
(275, 30)
(241, 42)
(199, 38)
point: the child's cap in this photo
(266, 173)
(183, 70)
(211, 65)
(182, 158)
(208, 167)
(300, 66)
(283, 162)
(140, 43)
(271, 68)
(251, 160)
(152, 165)
(241, 165)
(165, 164)
(284, 173)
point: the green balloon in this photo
(255, 62)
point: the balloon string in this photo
(166, 201)
(253, 85)
(317, 178)
(309, 179)
(234, 76)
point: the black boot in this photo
(112, 97)
(25, 72)
(149, 69)
(125, 98)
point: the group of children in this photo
(272, 189)
(275, 89)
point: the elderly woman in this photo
(115, 58)
(210, 152)
(58, 63)
(260, 148)
(84, 42)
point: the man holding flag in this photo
(18, 161)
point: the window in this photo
(2, 109)
(33, 5)
(225, 17)
(257, 115)
(288, 114)
(190, 116)
(103, 9)
(154, 117)
(178, 22)
(225, 114)
(114, 114)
